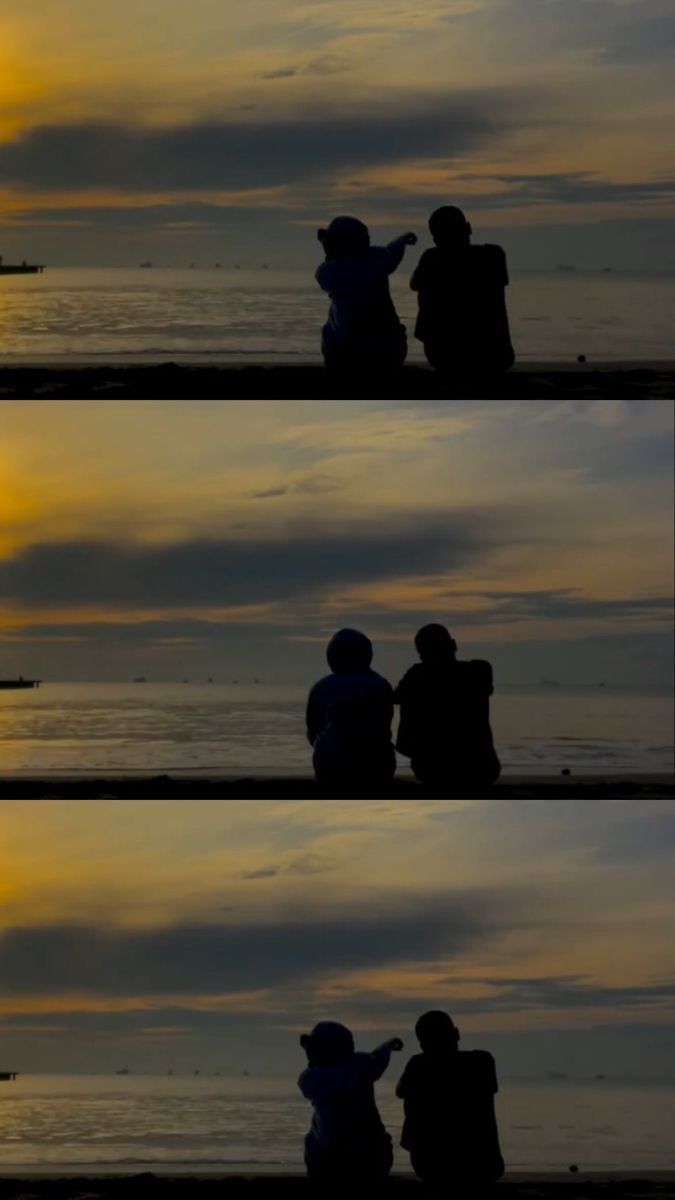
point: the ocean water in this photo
(259, 729)
(135, 1123)
(272, 315)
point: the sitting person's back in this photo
(462, 317)
(363, 330)
(445, 714)
(346, 1137)
(349, 716)
(450, 1127)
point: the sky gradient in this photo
(205, 935)
(229, 131)
(195, 538)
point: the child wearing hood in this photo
(349, 715)
(363, 331)
(347, 1140)
(450, 1127)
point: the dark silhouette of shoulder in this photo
(474, 674)
(479, 672)
(437, 267)
(492, 259)
(472, 1068)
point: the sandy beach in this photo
(161, 381)
(600, 1186)
(140, 786)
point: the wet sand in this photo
(596, 1186)
(140, 786)
(193, 381)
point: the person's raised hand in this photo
(410, 239)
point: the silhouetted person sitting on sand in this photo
(349, 715)
(363, 332)
(450, 1128)
(462, 317)
(347, 1141)
(445, 715)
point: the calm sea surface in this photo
(249, 729)
(149, 1122)
(230, 314)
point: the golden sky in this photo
(268, 524)
(191, 126)
(234, 924)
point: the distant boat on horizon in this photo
(145, 264)
(139, 679)
(5, 1076)
(22, 268)
(13, 684)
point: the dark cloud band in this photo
(242, 571)
(241, 154)
(217, 958)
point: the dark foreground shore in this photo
(628, 1186)
(167, 381)
(138, 786)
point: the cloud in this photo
(249, 153)
(374, 945)
(571, 187)
(213, 958)
(554, 604)
(236, 571)
(327, 64)
(311, 485)
(321, 64)
(567, 192)
(261, 873)
(643, 837)
(494, 608)
(607, 30)
(281, 73)
(564, 991)
(650, 38)
(302, 864)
